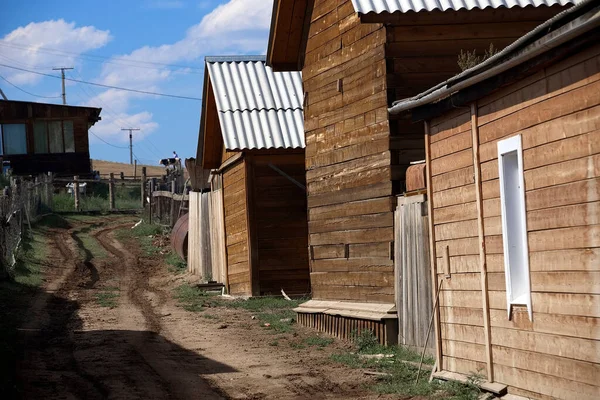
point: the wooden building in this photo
(38, 138)
(356, 57)
(513, 160)
(252, 137)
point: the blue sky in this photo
(150, 45)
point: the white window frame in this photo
(507, 146)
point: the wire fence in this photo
(22, 202)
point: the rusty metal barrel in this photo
(179, 236)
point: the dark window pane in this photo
(15, 139)
(69, 139)
(55, 135)
(40, 137)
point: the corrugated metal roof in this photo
(258, 108)
(391, 6)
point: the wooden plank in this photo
(493, 387)
(353, 264)
(545, 384)
(379, 220)
(456, 230)
(455, 213)
(354, 236)
(355, 293)
(328, 251)
(382, 190)
(432, 245)
(585, 305)
(556, 324)
(463, 316)
(354, 279)
(452, 162)
(450, 197)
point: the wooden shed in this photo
(513, 168)
(356, 57)
(37, 138)
(252, 137)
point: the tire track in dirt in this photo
(139, 309)
(51, 335)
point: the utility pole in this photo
(2, 94)
(62, 71)
(130, 142)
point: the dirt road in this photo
(144, 346)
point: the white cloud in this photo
(47, 44)
(237, 27)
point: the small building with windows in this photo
(37, 138)
(513, 178)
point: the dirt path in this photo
(146, 347)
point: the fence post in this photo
(143, 186)
(49, 190)
(76, 192)
(111, 191)
(134, 169)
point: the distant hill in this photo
(106, 167)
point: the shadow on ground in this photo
(47, 355)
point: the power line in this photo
(110, 144)
(25, 91)
(105, 86)
(103, 59)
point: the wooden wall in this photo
(279, 222)
(236, 228)
(557, 112)
(347, 157)
(422, 50)
(60, 163)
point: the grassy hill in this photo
(106, 167)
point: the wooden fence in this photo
(199, 238)
(413, 277)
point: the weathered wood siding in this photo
(356, 156)
(236, 228)
(557, 112)
(422, 51)
(348, 162)
(280, 221)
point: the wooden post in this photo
(480, 229)
(76, 192)
(172, 219)
(432, 253)
(151, 198)
(134, 169)
(49, 190)
(111, 191)
(122, 176)
(143, 187)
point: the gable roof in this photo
(558, 31)
(404, 6)
(257, 108)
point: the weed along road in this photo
(103, 311)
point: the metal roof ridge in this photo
(235, 58)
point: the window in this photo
(53, 137)
(14, 139)
(514, 223)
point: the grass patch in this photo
(402, 374)
(96, 198)
(193, 299)
(210, 316)
(15, 294)
(108, 297)
(318, 341)
(88, 246)
(297, 346)
(178, 266)
(275, 311)
(145, 234)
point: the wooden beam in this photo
(432, 252)
(481, 233)
(496, 388)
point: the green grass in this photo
(178, 266)
(15, 295)
(193, 299)
(275, 311)
(108, 297)
(96, 199)
(144, 233)
(402, 374)
(318, 341)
